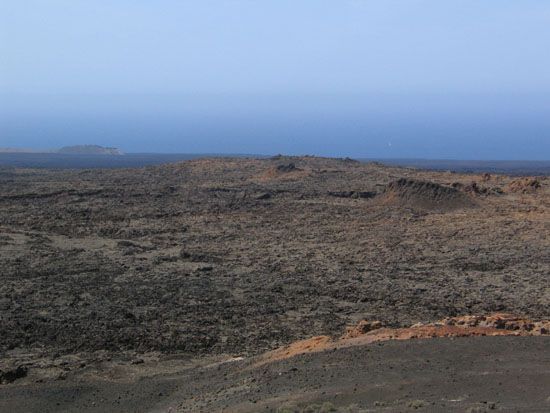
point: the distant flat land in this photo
(502, 167)
(136, 160)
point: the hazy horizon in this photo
(384, 126)
(369, 79)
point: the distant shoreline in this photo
(509, 167)
(135, 160)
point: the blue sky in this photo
(409, 78)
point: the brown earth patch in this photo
(524, 185)
(285, 171)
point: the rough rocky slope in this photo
(239, 256)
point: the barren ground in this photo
(220, 258)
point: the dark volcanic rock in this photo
(204, 267)
(10, 375)
(265, 195)
(424, 195)
(353, 194)
(289, 167)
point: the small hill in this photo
(424, 195)
(284, 171)
(89, 150)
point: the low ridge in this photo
(424, 195)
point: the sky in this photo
(464, 79)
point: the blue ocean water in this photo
(391, 127)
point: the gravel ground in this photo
(482, 374)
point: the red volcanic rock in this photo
(524, 185)
(362, 327)
(368, 332)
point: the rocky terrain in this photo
(217, 259)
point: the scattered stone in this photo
(10, 375)
(353, 194)
(363, 327)
(289, 167)
(416, 404)
(265, 195)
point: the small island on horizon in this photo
(69, 150)
(89, 150)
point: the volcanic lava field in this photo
(222, 260)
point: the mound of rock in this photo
(424, 195)
(524, 185)
(283, 171)
(363, 327)
(287, 167)
(353, 194)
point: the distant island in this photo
(69, 150)
(89, 150)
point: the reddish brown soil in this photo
(367, 332)
(524, 185)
